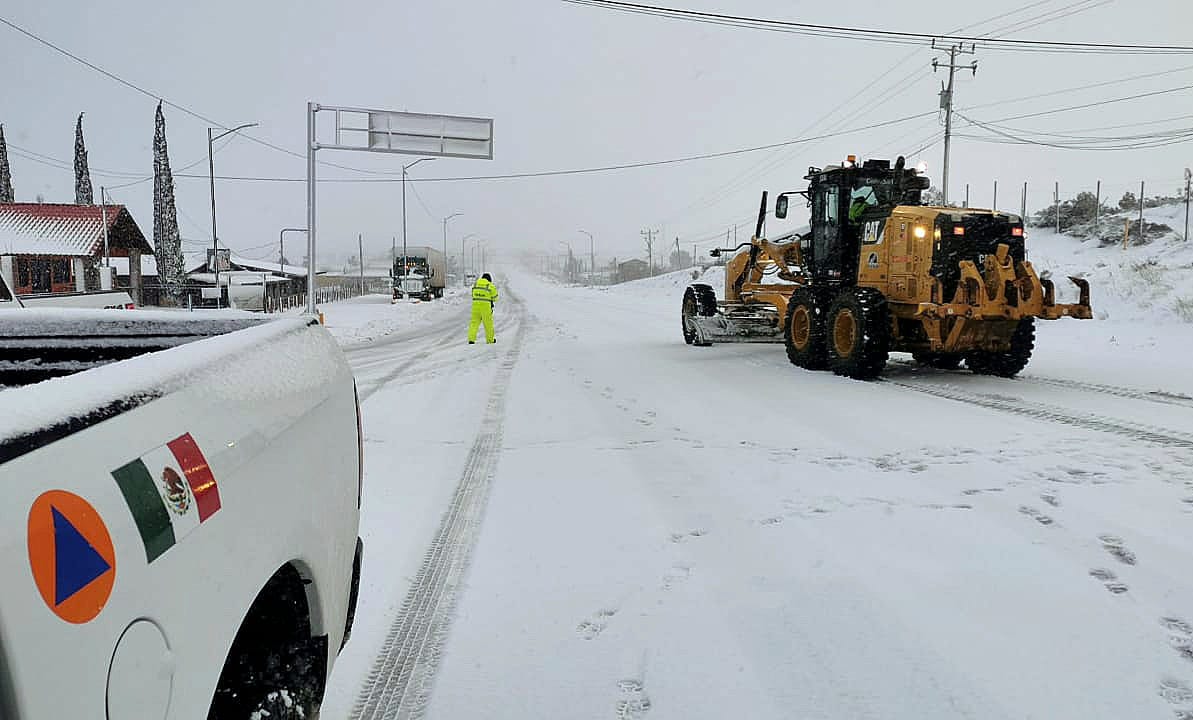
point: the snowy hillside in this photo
(1143, 283)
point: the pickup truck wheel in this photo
(274, 663)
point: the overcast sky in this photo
(568, 87)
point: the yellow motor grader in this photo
(875, 272)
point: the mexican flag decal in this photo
(170, 491)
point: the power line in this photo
(169, 103)
(877, 35)
(1065, 91)
(575, 171)
(1093, 104)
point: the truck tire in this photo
(803, 333)
(858, 326)
(1010, 363)
(698, 300)
(940, 361)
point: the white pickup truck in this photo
(179, 507)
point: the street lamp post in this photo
(215, 240)
(404, 169)
(445, 263)
(591, 256)
(281, 248)
(571, 261)
(464, 259)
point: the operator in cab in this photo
(484, 296)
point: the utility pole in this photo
(678, 252)
(649, 234)
(946, 101)
(966, 196)
(1023, 204)
(360, 255)
(994, 207)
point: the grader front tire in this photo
(858, 326)
(804, 334)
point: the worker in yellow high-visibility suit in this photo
(484, 295)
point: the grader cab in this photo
(875, 272)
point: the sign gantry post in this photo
(389, 131)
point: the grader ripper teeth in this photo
(875, 272)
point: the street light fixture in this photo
(591, 256)
(445, 263)
(404, 169)
(215, 239)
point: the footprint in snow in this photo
(1117, 549)
(634, 702)
(1109, 579)
(1180, 636)
(1035, 514)
(592, 627)
(1050, 498)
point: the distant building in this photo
(632, 270)
(272, 280)
(56, 248)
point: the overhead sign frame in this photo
(391, 132)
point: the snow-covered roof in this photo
(249, 263)
(59, 229)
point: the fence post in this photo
(1097, 206)
(1142, 234)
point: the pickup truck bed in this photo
(178, 517)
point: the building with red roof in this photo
(56, 247)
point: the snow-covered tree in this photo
(83, 192)
(6, 195)
(167, 242)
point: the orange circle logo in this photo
(71, 555)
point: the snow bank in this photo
(361, 320)
(1150, 283)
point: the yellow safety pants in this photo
(482, 312)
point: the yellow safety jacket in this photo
(484, 291)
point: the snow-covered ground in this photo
(651, 530)
(364, 319)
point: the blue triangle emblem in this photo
(76, 562)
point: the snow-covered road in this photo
(593, 520)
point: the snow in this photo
(679, 532)
(215, 367)
(365, 319)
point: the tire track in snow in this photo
(1157, 396)
(1085, 421)
(401, 679)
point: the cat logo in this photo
(872, 233)
(872, 261)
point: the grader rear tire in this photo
(804, 333)
(858, 327)
(1010, 363)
